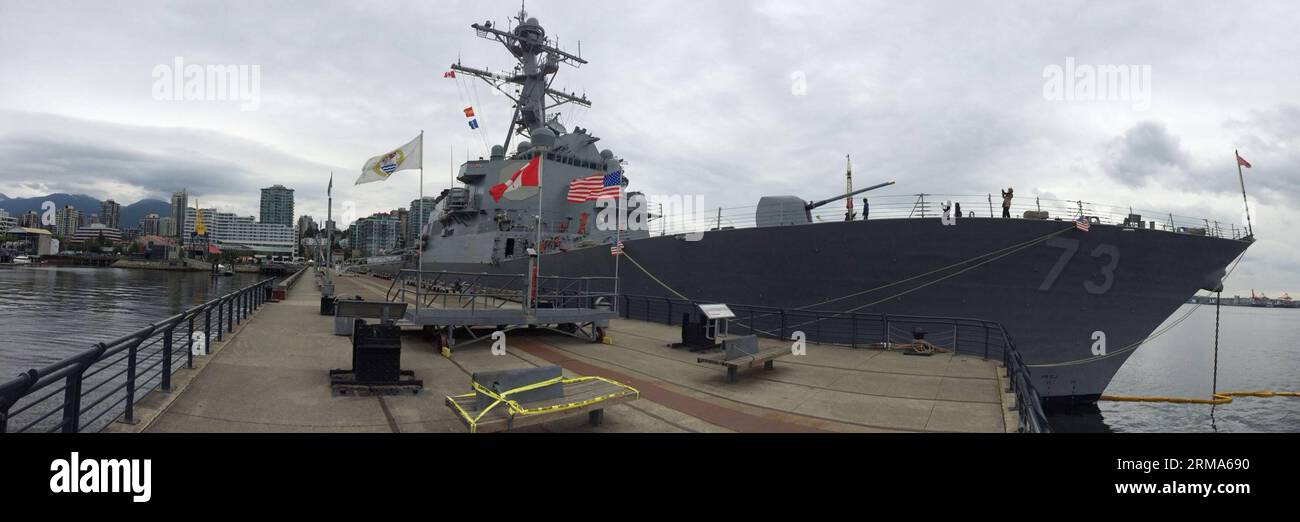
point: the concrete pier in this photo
(271, 375)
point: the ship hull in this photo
(1055, 296)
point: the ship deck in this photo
(271, 376)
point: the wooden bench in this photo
(589, 395)
(764, 356)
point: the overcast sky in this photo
(729, 99)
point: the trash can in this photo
(327, 305)
(377, 352)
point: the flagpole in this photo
(537, 274)
(419, 267)
(329, 219)
(1250, 231)
(618, 243)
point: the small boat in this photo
(22, 260)
(225, 270)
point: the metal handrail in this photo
(976, 337)
(475, 290)
(158, 338)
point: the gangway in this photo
(470, 306)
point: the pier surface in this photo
(271, 375)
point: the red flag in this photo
(524, 177)
(449, 74)
(469, 112)
(1242, 161)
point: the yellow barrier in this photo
(516, 409)
(1218, 398)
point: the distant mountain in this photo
(131, 214)
(4, 197)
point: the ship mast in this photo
(848, 189)
(538, 62)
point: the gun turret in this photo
(791, 210)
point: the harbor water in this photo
(51, 313)
(1259, 349)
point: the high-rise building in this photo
(180, 200)
(376, 235)
(149, 225)
(30, 220)
(306, 226)
(277, 206)
(403, 218)
(66, 221)
(420, 211)
(110, 214)
(6, 221)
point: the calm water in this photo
(1259, 349)
(50, 313)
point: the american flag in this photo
(1081, 223)
(596, 186)
(616, 250)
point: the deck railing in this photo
(976, 337)
(87, 391)
(913, 206)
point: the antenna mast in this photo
(848, 189)
(538, 62)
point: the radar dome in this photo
(523, 146)
(498, 152)
(543, 137)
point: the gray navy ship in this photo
(1054, 286)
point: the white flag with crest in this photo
(406, 157)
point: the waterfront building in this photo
(110, 214)
(277, 206)
(97, 231)
(34, 241)
(242, 233)
(6, 221)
